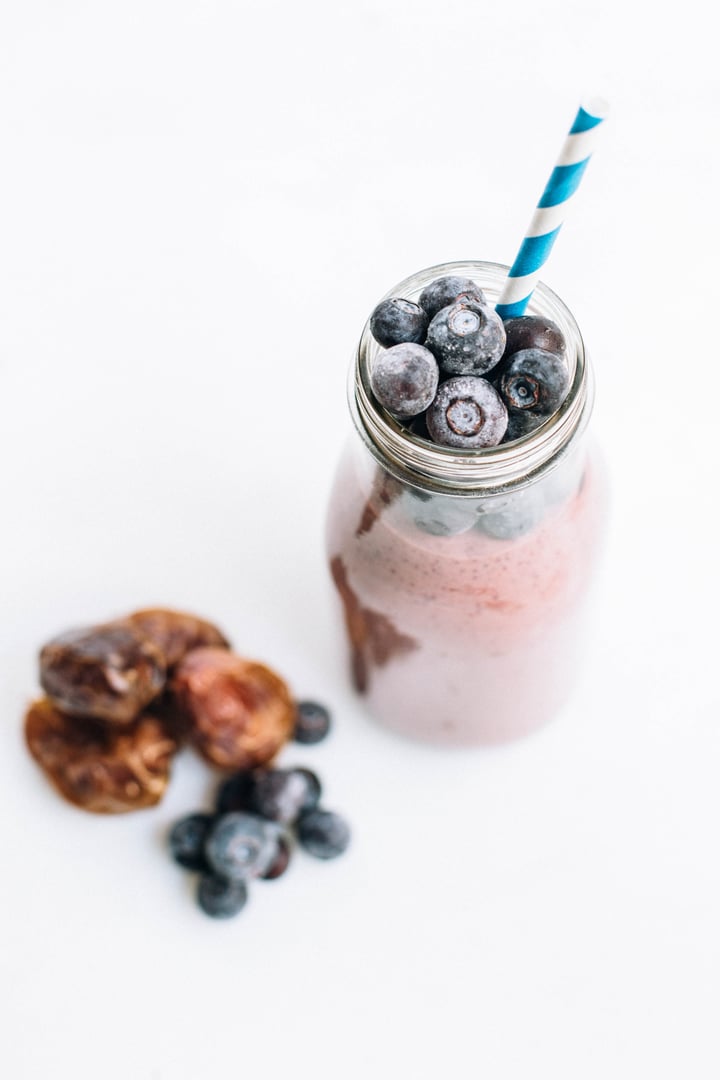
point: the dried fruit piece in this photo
(108, 672)
(176, 632)
(104, 770)
(238, 713)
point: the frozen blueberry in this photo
(404, 378)
(323, 833)
(418, 426)
(234, 793)
(220, 897)
(445, 291)
(443, 515)
(413, 494)
(533, 384)
(241, 845)
(281, 861)
(282, 795)
(533, 332)
(521, 424)
(187, 841)
(312, 723)
(514, 516)
(467, 413)
(466, 338)
(396, 320)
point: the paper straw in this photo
(552, 208)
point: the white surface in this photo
(200, 204)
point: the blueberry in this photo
(521, 424)
(467, 413)
(414, 501)
(396, 320)
(466, 338)
(418, 426)
(281, 795)
(241, 845)
(514, 516)
(234, 793)
(312, 723)
(443, 515)
(445, 291)
(281, 861)
(534, 384)
(187, 841)
(221, 898)
(323, 833)
(533, 332)
(404, 378)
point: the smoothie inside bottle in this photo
(463, 575)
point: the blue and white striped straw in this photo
(550, 213)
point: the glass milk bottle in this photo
(463, 575)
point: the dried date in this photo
(107, 673)
(104, 770)
(176, 632)
(238, 713)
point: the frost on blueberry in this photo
(466, 338)
(446, 290)
(404, 379)
(467, 413)
(396, 320)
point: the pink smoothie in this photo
(463, 639)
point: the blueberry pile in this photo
(260, 816)
(454, 372)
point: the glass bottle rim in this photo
(514, 464)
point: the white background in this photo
(200, 203)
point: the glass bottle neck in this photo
(427, 465)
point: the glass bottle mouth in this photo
(514, 464)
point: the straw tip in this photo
(596, 107)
